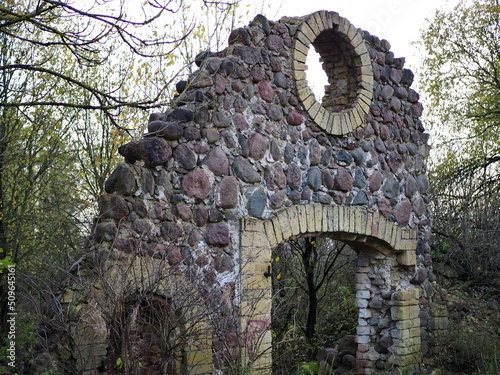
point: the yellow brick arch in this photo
(355, 224)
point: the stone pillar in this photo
(365, 355)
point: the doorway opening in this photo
(313, 309)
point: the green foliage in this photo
(469, 350)
(340, 317)
(461, 82)
(26, 336)
(5, 262)
(66, 110)
(118, 363)
(310, 368)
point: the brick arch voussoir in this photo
(353, 224)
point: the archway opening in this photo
(146, 335)
(386, 303)
(313, 308)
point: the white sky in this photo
(398, 21)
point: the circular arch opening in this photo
(340, 68)
(346, 62)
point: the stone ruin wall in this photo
(245, 158)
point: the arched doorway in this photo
(388, 332)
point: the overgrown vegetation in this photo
(65, 106)
(461, 82)
(471, 344)
(313, 303)
(75, 81)
(461, 85)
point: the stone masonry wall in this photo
(245, 158)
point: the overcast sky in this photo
(398, 21)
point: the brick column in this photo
(256, 298)
(406, 334)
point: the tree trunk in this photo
(309, 268)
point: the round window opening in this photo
(340, 69)
(342, 106)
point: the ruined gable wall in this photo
(244, 138)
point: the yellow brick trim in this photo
(320, 115)
(313, 111)
(293, 219)
(308, 32)
(366, 93)
(351, 34)
(285, 224)
(301, 47)
(303, 38)
(336, 124)
(199, 360)
(300, 79)
(333, 17)
(302, 218)
(299, 56)
(319, 20)
(326, 19)
(254, 287)
(365, 58)
(258, 306)
(308, 102)
(344, 219)
(363, 102)
(356, 41)
(254, 268)
(304, 92)
(325, 118)
(297, 65)
(388, 232)
(313, 25)
(344, 122)
(407, 258)
(254, 226)
(360, 221)
(271, 236)
(259, 254)
(330, 218)
(324, 218)
(318, 217)
(277, 230)
(344, 25)
(356, 223)
(351, 224)
(349, 120)
(358, 118)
